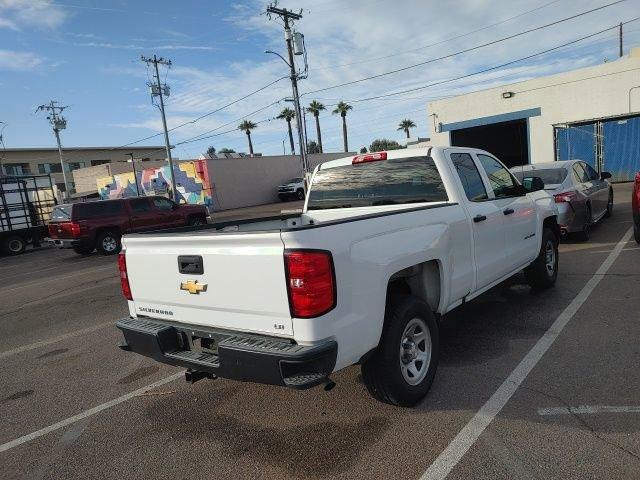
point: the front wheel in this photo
(108, 243)
(609, 204)
(196, 221)
(300, 194)
(543, 272)
(402, 369)
(584, 234)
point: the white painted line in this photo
(454, 452)
(588, 410)
(624, 250)
(44, 343)
(87, 413)
(33, 284)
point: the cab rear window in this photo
(385, 182)
(98, 209)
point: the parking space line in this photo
(44, 343)
(87, 413)
(453, 453)
(587, 410)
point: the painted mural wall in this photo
(192, 180)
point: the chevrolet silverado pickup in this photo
(386, 244)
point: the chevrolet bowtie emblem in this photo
(193, 287)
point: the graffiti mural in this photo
(192, 181)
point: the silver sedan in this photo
(583, 197)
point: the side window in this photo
(140, 205)
(501, 180)
(469, 176)
(162, 203)
(579, 174)
(591, 173)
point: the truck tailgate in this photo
(242, 286)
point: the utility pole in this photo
(4, 148)
(135, 175)
(288, 17)
(620, 37)
(159, 89)
(58, 123)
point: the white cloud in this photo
(31, 13)
(18, 61)
(6, 23)
(133, 46)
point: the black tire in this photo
(14, 245)
(543, 272)
(609, 204)
(300, 194)
(83, 249)
(383, 372)
(584, 234)
(196, 221)
(108, 242)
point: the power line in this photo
(485, 70)
(466, 50)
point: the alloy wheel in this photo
(415, 351)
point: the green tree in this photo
(312, 147)
(342, 108)
(363, 149)
(211, 151)
(227, 150)
(382, 144)
(288, 114)
(315, 107)
(405, 125)
(246, 126)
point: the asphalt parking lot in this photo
(530, 385)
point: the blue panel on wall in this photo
(622, 148)
(577, 143)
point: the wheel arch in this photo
(422, 280)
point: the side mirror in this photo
(532, 184)
(605, 175)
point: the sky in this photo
(86, 55)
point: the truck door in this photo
(487, 220)
(143, 217)
(518, 210)
(167, 212)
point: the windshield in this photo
(550, 176)
(61, 213)
(390, 182)
(295, 180)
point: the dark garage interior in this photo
(506, 140)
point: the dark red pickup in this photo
(100, 225)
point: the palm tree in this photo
(246, 126)
(405, 125)
(287, 114)
(315, 107)
(342, 108)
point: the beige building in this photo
(20, 161)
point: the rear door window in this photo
(98, 209)
(580, 174)
(162, 203)
(469, 176)
(500, 179)
(385, 182)
(590, 172)
(140, 205)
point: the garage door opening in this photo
(506, 140)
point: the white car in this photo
(386, 244)
(292, 190)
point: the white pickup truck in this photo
(386, 244)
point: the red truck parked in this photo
(100, 225)
(635, 207)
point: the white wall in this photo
(585, 94)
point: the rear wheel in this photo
(609, 204)
(402, 369)
(108, 243)
(543, 272)
(14, 245)
(585, 233)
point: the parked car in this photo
(583, 197)
(101, 224)
(635, 207)
(292, 190)
(387, 242)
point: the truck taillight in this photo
(369, 157)
(565, 197)
(124, 279)
(310, 282)
(75, 230)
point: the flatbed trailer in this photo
(26, 202)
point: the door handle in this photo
(508, 211)
(479, 218)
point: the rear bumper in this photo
(227, 354)
(61, 242)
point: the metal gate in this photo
(621, 148)
(577, 142)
